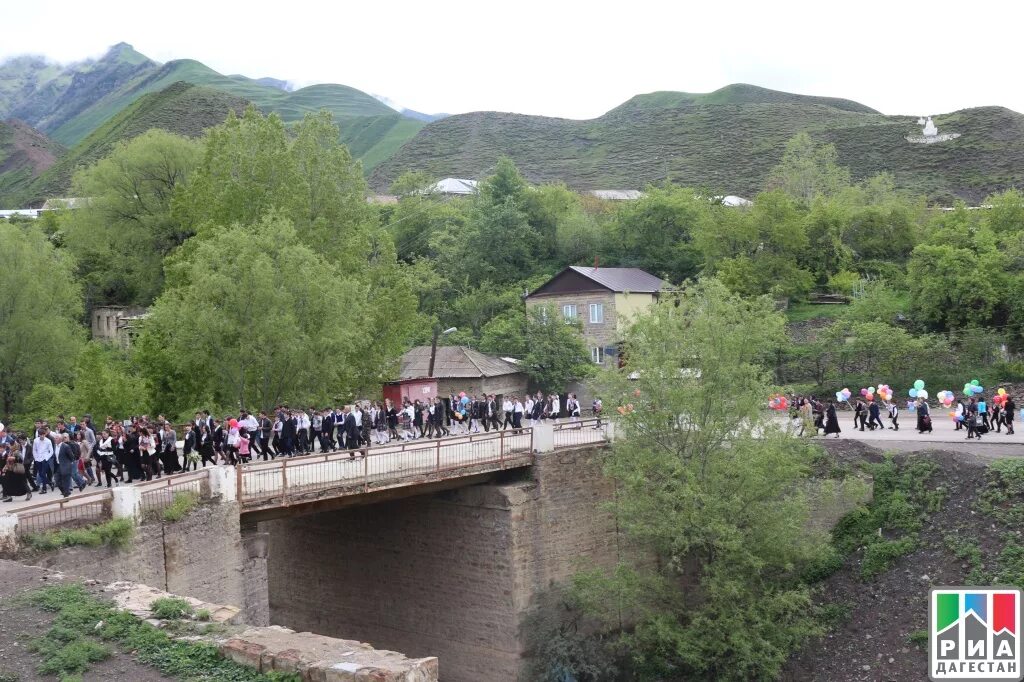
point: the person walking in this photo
(104, 458)
(1009, 407)
(894, 416)
(832, 420)
(42, 454)
(924, 419)
(67, 462)
(874, 416)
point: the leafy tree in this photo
(709, 488)
(1006, 215)
(252, 317)
(246, 171)
(954, 287)
(808, 170)
(411, 182)
(507, 183)
(657, 233)
(826, 253)
(40, 305)
(555, 352)
(122, 234)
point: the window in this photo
(597, 355)
(569, 312)
(596, 313)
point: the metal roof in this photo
(617, 194)
(453, 186)
(454, 362)
(622, 279)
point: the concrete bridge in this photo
(430, 548)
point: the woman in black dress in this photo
(831, 420)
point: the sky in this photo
(562, 58)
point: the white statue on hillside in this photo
(929, 128)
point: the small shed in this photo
(412, 389)
(458, 368)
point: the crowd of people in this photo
(811, 416)
(75, 454)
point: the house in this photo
(604, 299)
(457, 368)
(115, 323)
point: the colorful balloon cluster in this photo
(885, 392)
(918, 390)
(843, 395)
(1000, 397)
(973, 388)
(945, 397)
(778, 402)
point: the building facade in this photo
(603, 300)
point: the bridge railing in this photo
(68, 512)
(581, 432)
(158, 494)
(285, 480)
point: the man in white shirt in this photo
(517, 415)
(42, 454)
(506, 407)
(556, 408)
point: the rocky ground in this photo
(878, 632)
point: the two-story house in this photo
(603, 299)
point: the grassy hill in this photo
(726, 141)
(180, 108)
(25, 153)
(69, 103)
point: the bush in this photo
(170, 608)
(824, 566)
(181, 506)
(117, 533)
(880, 556)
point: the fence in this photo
(158, 494)
(69, 512)
(284, 481)
(582, 432)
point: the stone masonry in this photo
(451, 575)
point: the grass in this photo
(887, 528)
(918, 638)
(117, 533)
(969, 553)
(181, 505)
(801, 312)
(170, 608)
(1003, 495)
(77, 612)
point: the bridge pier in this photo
(452, 574)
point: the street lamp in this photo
(433, 345)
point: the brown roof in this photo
(454, 362)
(619, 280)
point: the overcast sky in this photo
(559, 58)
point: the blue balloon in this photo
(913, 393)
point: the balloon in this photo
(871, 389)
(465, 400)
(233, 423)
(919, 384)
(1001, 391)
(975, 382)
(922, 394)
(846, 392)
(979, 389)
(840, 397)
(913, 392)
(863, 391)
(462, 394)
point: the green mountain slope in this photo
(25, 153)
(180, 108)
(71, 102)
(49, 97)
(725, 142)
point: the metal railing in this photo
(289, 480)
(158, 494)
(581, 432)
(69, 512)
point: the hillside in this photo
(49, 97)
(71, 102)
(25, 153)
(180, 108)
(725, 142)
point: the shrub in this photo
(170, 608)
(181, 506)
(117, 533)
(880, 556)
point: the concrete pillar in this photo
(543, 438)
(224, 483)
(127, 503)
(8, 534)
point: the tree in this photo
(40, 305)
(657, 233)
(122, 234)
(555, 352)
(711, 490)
(252, 317)
(808, 170)
(954, 287)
